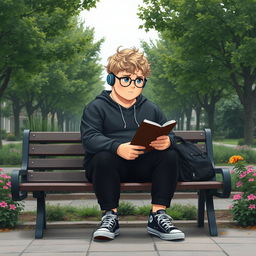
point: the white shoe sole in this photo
(164, 236)
(105, 234)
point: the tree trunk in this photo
(52, 121)
(16, 113)
(198, 117)
(188, 115)
(6, 79)
(60, 121)
(44, 120)
(210, 110)
(248, 122)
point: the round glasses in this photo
(125, 81)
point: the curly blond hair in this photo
(128, 60)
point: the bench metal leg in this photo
(201, 207)
(41, 216)
(211, 214)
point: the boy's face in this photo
(130, 92)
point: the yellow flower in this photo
(234, 159)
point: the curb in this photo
(93, 224)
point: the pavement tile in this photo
(239, 249)
(180, 246)
(187, 240)
(58, 248)
(20, 242)
(47, 242)
(187, 253)
(143, 253)
(10, 254)
(12, 249)
(52, 254)
(234, 240)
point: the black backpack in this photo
(193, 164)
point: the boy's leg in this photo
(161, 168)
(106, 170)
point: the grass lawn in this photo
(228, 141)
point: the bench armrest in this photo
(226, 178)
(17, 177)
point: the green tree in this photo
(222, 30)
(25, 26)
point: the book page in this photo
(151, 122)
(169, 122)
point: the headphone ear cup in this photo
(111, 79)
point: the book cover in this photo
(149, 131)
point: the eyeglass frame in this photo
(131, 80)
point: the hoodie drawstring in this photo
(134, 114)
(122, 115)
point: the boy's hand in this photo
(129, 152)
(161, 143)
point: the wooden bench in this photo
(53, 161)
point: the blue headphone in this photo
(111, 79)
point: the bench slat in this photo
(56, 149)
(55, 137)
(68, 149)
(85, 186)
(76, 136)
(56, 163)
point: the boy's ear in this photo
(111, 79)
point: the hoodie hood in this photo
(105, 95)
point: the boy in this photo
(107, 127)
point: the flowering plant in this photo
(244, 202)
(9, 209)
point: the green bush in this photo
(126, 208)
(241, 142)
(221, 154)
(11, 137)
(55, 213)
(3, 134)
(10, 154)
(182, 212)
(143, 210)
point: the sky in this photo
(117, 22)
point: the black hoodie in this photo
(106, 124)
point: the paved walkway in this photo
(131, 242)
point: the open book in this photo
(149, 131)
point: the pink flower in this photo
(12, 207)
(232, 171)
(5, 187)
(250, 180)
(3, 204)
(252, 206)
(10, 195)
(242, 175)
(5, 176)
(251, 197)
(254, 174)
(249, 170)
(1, 181)
(1, 169)
(237, 197)
(239, 184)
(8, 183)
(230, 206)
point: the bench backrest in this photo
(44, 151)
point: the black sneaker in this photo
(160, 224)
(109, 227)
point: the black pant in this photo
(106, 170)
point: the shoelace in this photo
(165, 221)
(108, 221)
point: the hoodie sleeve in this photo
(161, 119)
(91, 129)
